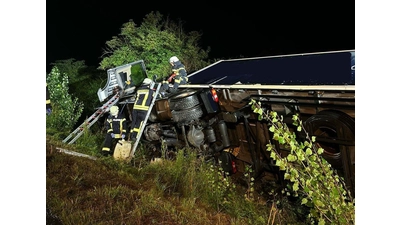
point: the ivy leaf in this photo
(313, 138)
(287, 176)
(294, 117)
(304, 201)
(299, 128)
(318, 203)
(320, 151)
(296, 186)
(272, 129)
(255, 110)
(292, 146)
(273, 155)
(308, 152)
(321, 222)
(282, 166)
(291, 158)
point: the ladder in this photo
(91, 120)
(139, 135)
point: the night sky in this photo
(79, 29)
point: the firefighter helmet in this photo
(173, 59)
(147, 81)
(114, 110)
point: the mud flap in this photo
(122, 150)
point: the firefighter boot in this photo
(105, 153)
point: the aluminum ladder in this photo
(139, 135)
(91, 120)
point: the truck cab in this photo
(123, 79)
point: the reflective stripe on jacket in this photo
(144, 96)
(116, 125)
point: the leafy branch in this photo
(308, 172)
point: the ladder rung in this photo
(91, 120)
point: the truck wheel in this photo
(187, 115)
(184, 100)
(335, 132)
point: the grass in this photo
(186, 190)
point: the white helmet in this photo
(147, 81)
(114, 110)
(173, 59)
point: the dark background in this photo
(79, 29)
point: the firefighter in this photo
(178, 73)
(144, 96)
(48, 102)
(116, 130)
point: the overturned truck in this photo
(211, 114)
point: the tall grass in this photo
(186, 190)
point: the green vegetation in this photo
(155, 41)
(310, 175)
(186, 190)
(66, 108)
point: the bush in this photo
(66, 109)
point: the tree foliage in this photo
(154, 41)
(308, 172)
(84, 82)
(66, 108)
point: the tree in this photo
(155, 41)
(66, 108)
(84, 81)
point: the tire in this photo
(187, 115)
(184, 100)
(336, 125)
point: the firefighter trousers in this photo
(109, 142)
(138, 117)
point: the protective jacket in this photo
(143, 101)
(116, 125)
(116, 128)
(181, 76)
(144, 96)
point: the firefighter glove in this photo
(171, 77)
(112, 135)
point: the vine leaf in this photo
(313, 138)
